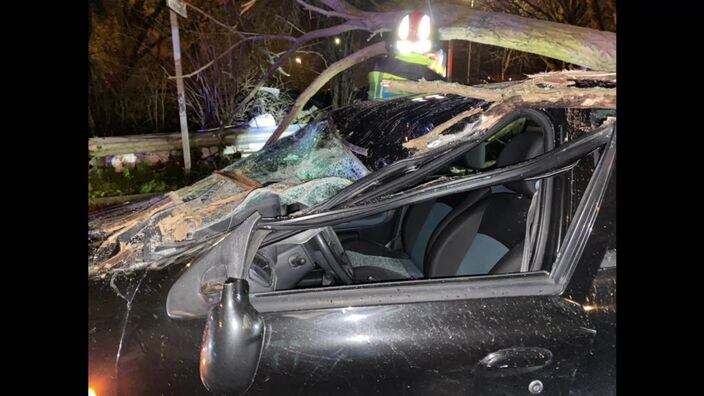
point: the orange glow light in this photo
(91, 392)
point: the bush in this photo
(145, 179)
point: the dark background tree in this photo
(127, 90)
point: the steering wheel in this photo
(334, 254)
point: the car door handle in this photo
(513, 361)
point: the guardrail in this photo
(246, 140)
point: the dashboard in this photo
(311, 258)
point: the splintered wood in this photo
(239, 179)
(422, 141)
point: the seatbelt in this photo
(531, 228)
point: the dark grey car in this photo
(481, 266)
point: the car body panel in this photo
(384, 349)
(422, 348)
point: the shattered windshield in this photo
(304, 170)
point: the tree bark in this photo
(590, 48)
(538, 88)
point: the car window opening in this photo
(481, 232)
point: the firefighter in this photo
(411, 56)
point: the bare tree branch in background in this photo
(324, 77)
(316, 34)
(326, 12)
(232, 47)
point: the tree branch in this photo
(232, 47)
(312, 35)
(544, 90)
(253, 37)
(232, 29)
(423, 141)
(212, 18)
(343, 7)
(540, 88)
(441, 87)
(334, 69)
(325, 12)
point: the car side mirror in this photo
(234, 330)
(232, 341)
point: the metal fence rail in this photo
(244, 139)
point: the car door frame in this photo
(531, 283)
(305, 309)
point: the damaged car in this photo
(385, 248)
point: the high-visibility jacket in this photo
(403, 67)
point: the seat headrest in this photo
(521, 148)
(475, 158)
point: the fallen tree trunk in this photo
(581, 46)
(590, 48)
